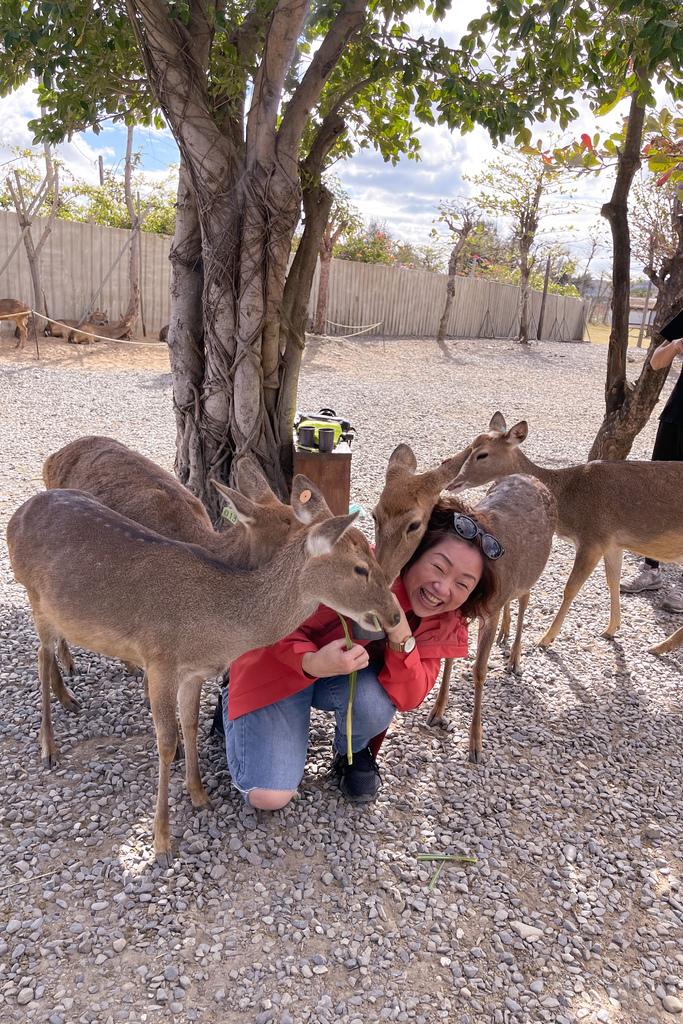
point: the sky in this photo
(404, 196)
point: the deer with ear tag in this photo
(102, 581)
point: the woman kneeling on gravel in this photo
(267, 707)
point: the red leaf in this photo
(664, 177)
(587, 142)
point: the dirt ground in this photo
(137, 354)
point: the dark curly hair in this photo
(481, 602)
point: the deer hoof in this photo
(179, 752)
(502, 638)
(164, 858)
(514, 668)
(434, 720)
(545, 641)
(72, 704)
(49, 760)
(475, 756)
(204, 804)
(608, 635)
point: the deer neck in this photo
(268, 602)
(549, 477)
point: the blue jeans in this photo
(267, 748)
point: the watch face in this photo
(409, 644)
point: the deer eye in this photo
(413, 527)
(373, 516)
(362, 571)
(484, 455)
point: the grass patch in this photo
(598, 334)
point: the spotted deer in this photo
(602, 508)
(114, 587)
(519, 512)
(19, 313)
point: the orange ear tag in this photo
(304, 497)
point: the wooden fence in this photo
(401, 303)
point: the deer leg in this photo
(436, 715)
(188, 704)
(670, 644)
(46, 657)
(515, 658)
(584, 563)
(61, 692)
(487, 632)
(23, 332)
(504, 624)
(64, 655)
(163, 690)
(613, 574)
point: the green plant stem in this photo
(352, 689)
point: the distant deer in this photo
(520, 512)
(136, 487)
(110, 585)
(19, 313)
(73, 332)
(602, 508)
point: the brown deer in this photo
(19, 313)
(75, 334)
(602, 508)
(519, 512)
(136, 487)
(114, 587)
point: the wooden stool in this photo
(331, 472)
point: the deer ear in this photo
(322, 538)
(448, 470)
(242, 507)
(308, 502)
(515, 435)
(497, 422)
(402, 458)
(251, 480)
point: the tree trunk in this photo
(610, 439)
(134, 260)
(616, 435)
(524, 273)
(235, 345)
(323, 289)
(450, 284)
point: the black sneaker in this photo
(359, 781)
(217, 727)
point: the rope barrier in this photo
(100, 337)
(363, 330)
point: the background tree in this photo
(344, 218)
(605, 52)
(521, 188)
(463, 221)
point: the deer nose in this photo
(396, 620)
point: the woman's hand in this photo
(334, 660)
(402, 630)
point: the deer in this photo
(75, 333)
(112, 586)
(12, 309)
(134, 486)
(602, 508)
(520, 512)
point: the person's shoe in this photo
(646, 579)
(673, 602)
(360, 781)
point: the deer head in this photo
(405, 505)
(342, 571)
(492, 454)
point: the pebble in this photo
(322, 911)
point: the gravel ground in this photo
(322, 912)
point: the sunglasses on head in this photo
(469, 528)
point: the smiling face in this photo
(443, 577)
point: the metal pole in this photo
(646, 313)
(100, 163)
(545, 295)
(114, 264)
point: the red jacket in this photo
(268, 674)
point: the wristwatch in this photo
(406, 645)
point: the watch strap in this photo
(400, 647)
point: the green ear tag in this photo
(229, 514)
